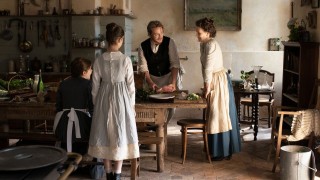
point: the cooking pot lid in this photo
(30, 157)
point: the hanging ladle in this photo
(25, 45)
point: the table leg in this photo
(255, 113)
(165, 139)
(160, 118)
(160, 149)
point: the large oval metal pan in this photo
(30, 157)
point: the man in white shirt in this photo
(159, 60)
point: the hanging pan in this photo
(25, 45)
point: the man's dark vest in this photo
(158, 63)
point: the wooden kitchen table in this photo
(28, 114)
(145, 112)
(156, 113)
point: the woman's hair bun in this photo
(111, 26)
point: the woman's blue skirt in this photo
(226, 143)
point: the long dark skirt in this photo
(79, 145)
(226, 143)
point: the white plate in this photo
(161, 96)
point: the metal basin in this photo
(30, 157)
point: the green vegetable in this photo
(244, 75)
(143, 94)
(193, 97)
(15, 83)
(3, 92)
(3, 83)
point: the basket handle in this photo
(14, 77)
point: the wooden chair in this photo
(147, 136)
(263, 77)
(193, 126)
(280, 134)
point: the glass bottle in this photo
(230, 73)
(11, 66)
(40, 84)
(265, 84)
(256, 70)
(35, 83)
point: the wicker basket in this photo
(24, 87)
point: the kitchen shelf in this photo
(290, 71)
(36, 16)
(292, 97)
(89, 48)
(105, 15)
(70, 15)
(300, 69)
(83, 25)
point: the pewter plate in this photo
(162, 98)
(30, 157)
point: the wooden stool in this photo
(135, 168)
(151, 140)
(193, 124)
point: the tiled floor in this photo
(250, 164)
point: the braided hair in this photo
(113, 33)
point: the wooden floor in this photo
(250, 164)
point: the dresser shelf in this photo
(300, 69)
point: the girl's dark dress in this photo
(74, 93)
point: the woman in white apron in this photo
(222, 123)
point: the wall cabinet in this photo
(300, 69)
(91, 26)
